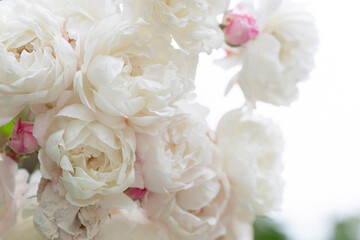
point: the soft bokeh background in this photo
(321, 129)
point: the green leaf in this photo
(266, 229)
(6, 130)
(347, 229)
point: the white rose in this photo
(24, 228)
(133, 72)
(80, 16)
(56, 218)
(13, 185)
(252, 148)
(179, 157)
(280, 57)
(192, 23)
(194, 213)
(36, 63)
(94, 161)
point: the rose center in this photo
(93, 159)
(18, 51)
(137, 64)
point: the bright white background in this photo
(321, 129)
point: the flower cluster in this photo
(122, 151)
(275, 44)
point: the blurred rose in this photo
(13, 184)
(252, 148)
(24, 228)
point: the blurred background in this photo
(321, 129)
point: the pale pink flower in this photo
(22, 139)
(239, 26)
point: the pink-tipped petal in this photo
(136, 193)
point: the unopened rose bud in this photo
(22, 139)
(136, 193)
(239, 26)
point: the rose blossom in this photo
(252, 148)
(131, 71)
(181, 169)
(13, 184)
(177, 158)
(239, 26)
(22, 139)
(36, 63)
(94, 161)
(280, 57)
(56, 218)
(194, 213)
(80, 16)
(192, 24)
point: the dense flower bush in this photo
(123, 153)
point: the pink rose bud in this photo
(22, 139)
(239, 26)
(136, 193)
